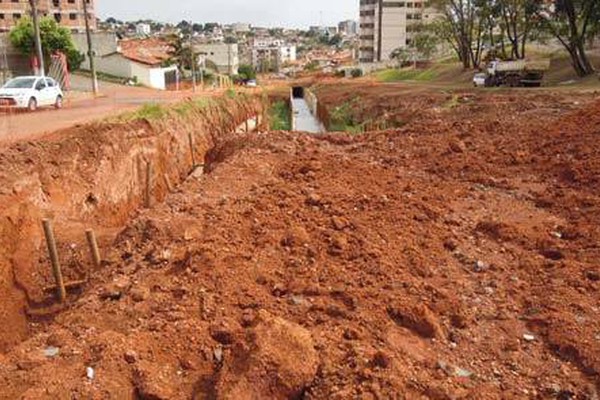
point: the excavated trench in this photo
(93, 176)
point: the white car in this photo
(31, 92)
(479, 79)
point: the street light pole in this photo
(90, 49)
(38, 40)
(193, 61)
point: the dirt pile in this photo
(440, 261)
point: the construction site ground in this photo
(449, 252)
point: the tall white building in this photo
(386, 25)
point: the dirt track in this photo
(455, 257)
(17, 126)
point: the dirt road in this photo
(79, 108)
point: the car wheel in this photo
(58, 104)
(32, 105)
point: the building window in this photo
(72, 16)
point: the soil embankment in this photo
(454, 258)
(91, 176)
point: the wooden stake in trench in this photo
(168, 183)
(60, 285)
(93, 244)
(148, 190)
(191, 140)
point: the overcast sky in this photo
(288, 13)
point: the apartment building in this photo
(348, 28)
(68, 13)
(222, 57)
(386, 25)
(269, 54)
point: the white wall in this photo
(115, 65)
(393, 30)
(147, 75)
(104, 43)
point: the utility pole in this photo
(193, 59)
(90, 49)
(38, 40)
(203, 55)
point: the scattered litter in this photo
(528, 338)
(51, 351)
(453, 370)
(90, 373)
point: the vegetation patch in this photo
(396, 75)
(280, 116)
(343, 118)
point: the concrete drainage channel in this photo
(304, 105)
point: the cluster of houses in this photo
(142, 52)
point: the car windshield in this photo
(20, 83)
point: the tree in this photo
(424, 42)
(402, 55)
(246, 72)
(517, 19)
(197, 28)
(210, 26)
(573, 22)
(180, 53)
(54, 38)
(467, 22)
(185, 27)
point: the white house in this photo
(143, 29)
(142, 60)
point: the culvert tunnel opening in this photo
(298, 92)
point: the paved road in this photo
(80, 107)
(304, 121)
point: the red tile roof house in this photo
(141, 60)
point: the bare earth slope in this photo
(450, 260)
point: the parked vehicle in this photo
(479, 79)
(31, 92)
(516, 73)
(251, 83)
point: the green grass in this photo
(187, 107)
(280, 116)
(150, 112)
(396, 75)
(342, 119)
(155, 111)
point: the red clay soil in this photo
(450, 260)
(88, 177)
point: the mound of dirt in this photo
(383, 265)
